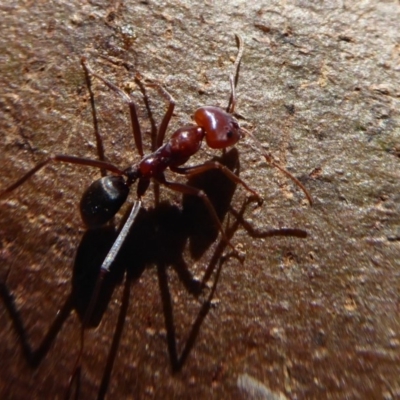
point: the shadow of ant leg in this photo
(192, 285)
(105, 381)
(217, 260)
(177, 361)
(168, 315)
(34, 357)
(205, 308)
(255, 233)
(221, 247)
(186, 189)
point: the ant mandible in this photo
(104, 197)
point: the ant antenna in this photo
(272, 162)
(233, 78)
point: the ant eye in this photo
(229, 134)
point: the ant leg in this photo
(186, 189)
(65, 159)
(99, 140)
(137, 134)
(168, 114)
(104, 269)
(112, 254)
(167, 117)
(198, 169)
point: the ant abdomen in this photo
(102, 200)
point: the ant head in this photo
(221, 129)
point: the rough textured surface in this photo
(300, 318)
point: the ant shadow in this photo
(158, 238)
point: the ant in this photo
(104, 197)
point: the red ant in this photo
(104, 197)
